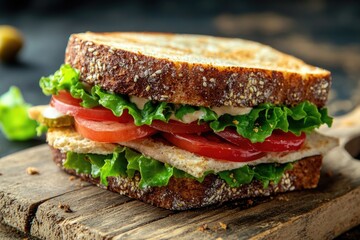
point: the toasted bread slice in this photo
(186, 193)
(196, 70)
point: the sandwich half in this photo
(185, 121)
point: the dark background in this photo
(323, 33)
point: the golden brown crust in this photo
(184, 193)
(199, 84)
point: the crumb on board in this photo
(223, 225)
(283, 198)
(72, 178)
(203, 227)
(82, 184)
(32, 171)
(65, 207)
(329, 173)
(214, 227)
(250, 202)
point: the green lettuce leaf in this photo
(270, 172)
(152, 172)
(116, 166)
(14, 120)
(41, 129)
(78, 162)
(97, 162)
(125, 162)
(118, 103)
(63, 79)
(207, 116)
(237, 177)
(264, 119)
(262, 172)
(183, 110)
(67, 78)
(257, 125)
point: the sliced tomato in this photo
(178, 127)
(111, 132)
(66, 104)
(211, 146)
(279, 141)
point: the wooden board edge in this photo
(325, 222)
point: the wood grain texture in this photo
(9, 233)
(31, 203)
(21, 193)
(95, 214)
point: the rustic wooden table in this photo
(323, 34)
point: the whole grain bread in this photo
(186, 193)
(196, 70)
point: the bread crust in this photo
(200, 84)
(185, 193)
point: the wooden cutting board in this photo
(36, 204)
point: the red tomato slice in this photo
(179, 127)
(66, 104)
(111, 132)
(210, 147)
(279, 141)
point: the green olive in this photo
(11, 42)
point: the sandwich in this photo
(185, 121)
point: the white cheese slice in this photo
(67, 139)
(189, 117)
(139, 102)
(51, 113)
(231, 110)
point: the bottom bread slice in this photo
(186, 193)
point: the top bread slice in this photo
(195, 69)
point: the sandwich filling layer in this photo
(68, 140)
(256, 125)
(107, 134)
